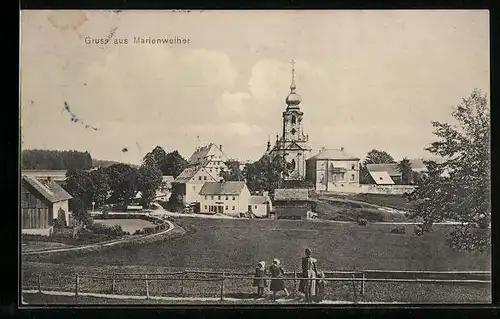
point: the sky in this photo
(368, 79)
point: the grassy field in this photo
(237, 245)
(128, 225)
(392, 201)
(341, 210)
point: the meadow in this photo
(237, 245)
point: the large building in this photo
(41, 203)
(332, 169)
(293, 145)
(292, 204)
(231, 198)
(203, 166)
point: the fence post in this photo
(113, 284)
(222, 287)
(77, 281)
(39, 280)
(184, 273)
(354, 288)
(363, 284)
(295, 281)
(147, 287)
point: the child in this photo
(259, 280)
(320, 286)
(277, 284)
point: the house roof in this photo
(291, 194)
(333, 154)
(256, 199)
(417, 164)
(225, 188)
(391, 169)
(382, 178)
(187, 174)
(52, 191)
(167, 178)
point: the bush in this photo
(60, 222)
(399, 230)
(362, 222)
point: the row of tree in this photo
(55, 160)
(119, 183)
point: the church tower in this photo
(293, 144)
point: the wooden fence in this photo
(354, 277)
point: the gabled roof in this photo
(202, 155)
(382, 178)
(391, 169)
(187, 174)
(291, 194)
(52, 191)
(225, 188)
(257, 199)
(333, 154)
(167, 179)
(417, 164)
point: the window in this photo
(352, 166)
(199, 177)
(204, 178)
(227, 197)
(380, 178)
(294, 120)
(219, 197)
(234, 207)
(255, 206)
(205, 207)
(212, 198)
(206, 197)
(210, 170)
(234, 198)
(352, 177)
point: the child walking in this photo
(320, 286)
(277, 284)
(259, 280)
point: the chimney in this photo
(220, 146)
(322, 149)
(342, 148)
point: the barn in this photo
(293, 203)
(41, 202)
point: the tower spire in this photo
(292, 86)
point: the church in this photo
(293, 145)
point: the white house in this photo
(203, 166)
(230, 198)
(260, 205)
(165, 189)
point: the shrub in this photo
(60, 222)
(362, 222)
(399, 230)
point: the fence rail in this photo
(357, 276)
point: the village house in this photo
(232, 198)
(165, 189)
(260, 205)
(292, 204)
(390, 174)
(41, 204)
(204, 166)
(333, 168)
(55, 175)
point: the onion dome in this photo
(293, 99)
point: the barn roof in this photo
(333, 154)
(225, 188)
(257, 199)
(391, 169)
(382, 178)
(291, 194)
(52, 191)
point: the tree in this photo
(459, 188)
(149, 179)
(157, 156)
(378, 157)
(79, 185)
(174, 164)
(122, 182)
(232, 172)
(404, 167)
(266, 174)
(100, 186)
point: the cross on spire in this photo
(293, 72)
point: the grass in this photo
(237, 245)
(128, 225)
(393, 201)
(335, 209)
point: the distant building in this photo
(260, 205)
(292, 204)
(390, 174)
(41, 202)
(232, 198)
(333, 168)
(203, 166)
(165, 189)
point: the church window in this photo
(352, 177)
(219, 197)
(233, 198)
(293, 131)
(227, 198)
(294, 120)
(352, 166)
